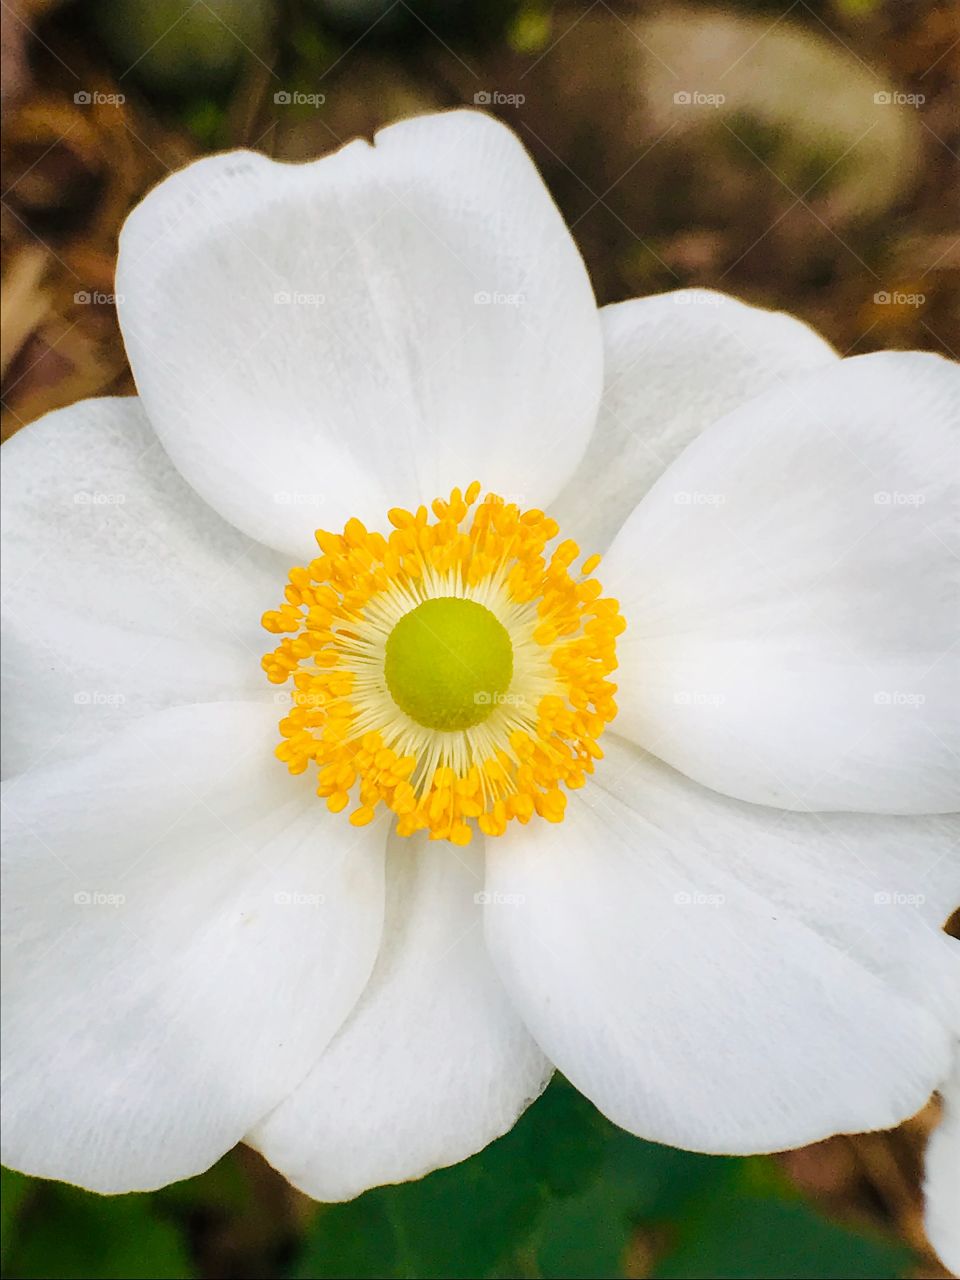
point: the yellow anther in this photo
(539, 740)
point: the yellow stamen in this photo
(541, 734)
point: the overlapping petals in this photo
(722, 976)
(123, 592)
(316, 342)
(673, 364)
(433, 1064)
(792, 585)
(184, 931)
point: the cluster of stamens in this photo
(525, 742)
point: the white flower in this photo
(729, 937)
(942, 1185)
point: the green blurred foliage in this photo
(174, 46)
(751, 1223)
(564, 1194)
(52, 1230)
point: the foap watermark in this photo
(300, 698)
(296, 98)
(694, 498)
(494, 298)
(895, 98)
(88, 498)
(693, 898)
(486, 698)
(94, 98)
(899, 298)
(295, 298)
(95, 898)
(296, 498)
(486, 898)
(697, 98)
(898, 698)
(896, 899)
(297, 898)
(97, 298)
(98, 698)
(698, 698)
(494, 98)
(894, 498)
(697, 298)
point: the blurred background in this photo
(800, 155)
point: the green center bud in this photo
(448, 663)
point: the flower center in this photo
(448, 663)
(453, 671)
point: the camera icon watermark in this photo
(695, 98)
(297, 898)
(697, 298)
(898, 698)
(495, 298)
(894, 498)
(98, 698)
(696, 498)
(94, 98)
(698, 698)
(486, 698)
(86, 498)
(96, 298)
(296, 98)
(494, 98)
(296, 298)
(692, 898)
(296, 498)
(894, 98)
(898, 298)
(94, 898)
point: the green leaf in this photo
(356, 1239)
(656, 1181)
(224, 1188)
(755, 1226)
(560, 1196)
(457, 1222)
(587, 1236)
(14, 1193)
(467, 1220)
(75, 1234)
(566, 1139)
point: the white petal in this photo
(432, 1064)
(123, 591)
(383, 378)
(186, 928)
(674, 363)
(790, 587)
(942, 1181)
(721, 976)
